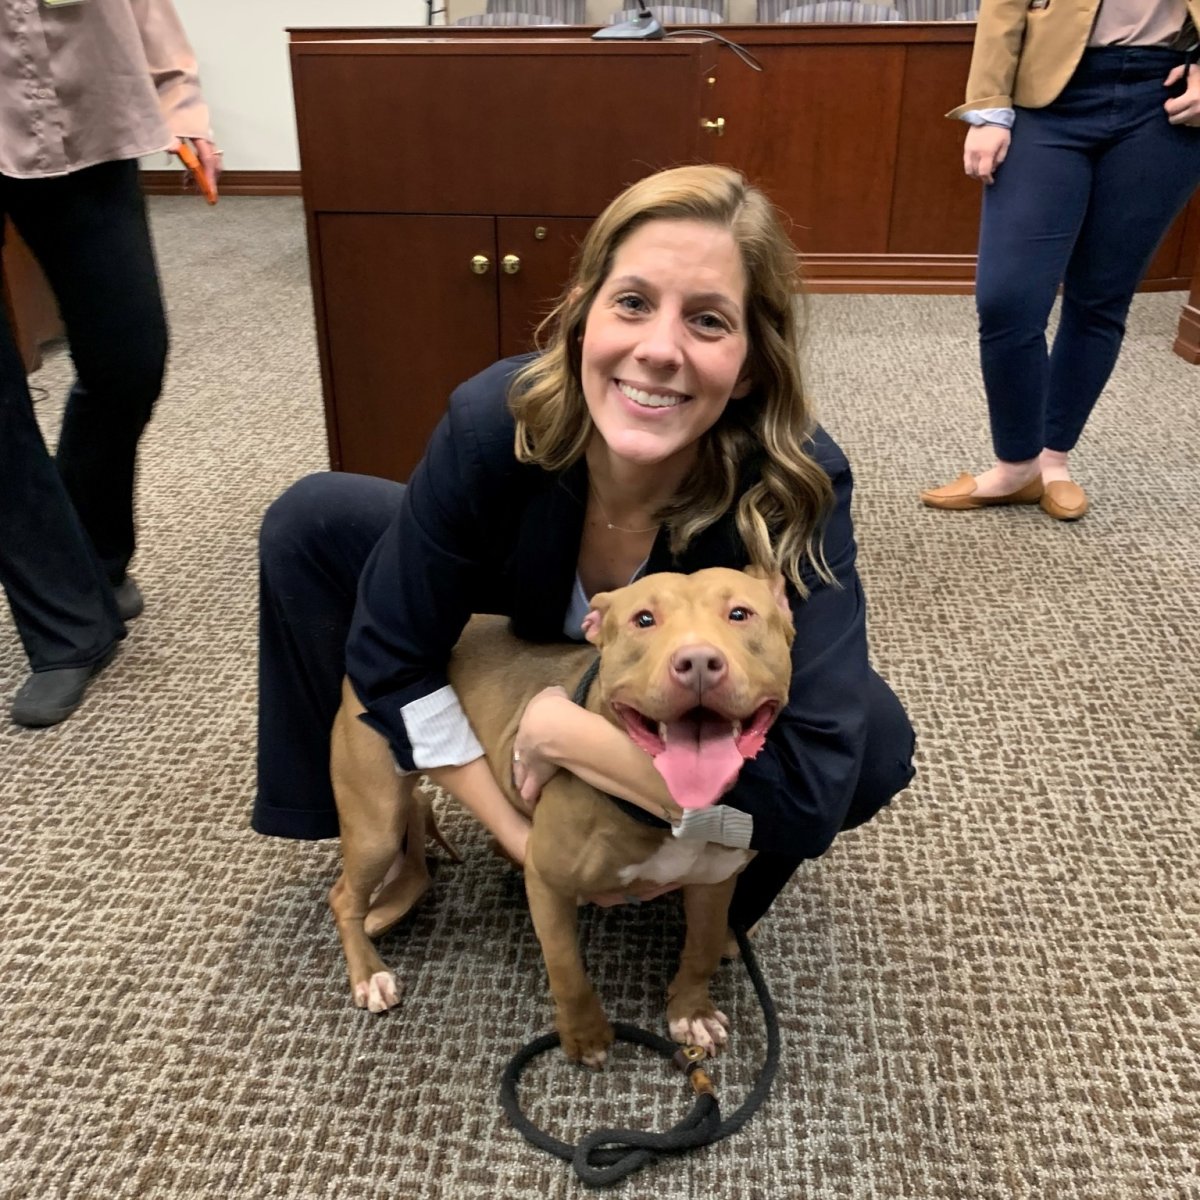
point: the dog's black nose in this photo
(698, 667)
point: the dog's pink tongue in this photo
(700, 763)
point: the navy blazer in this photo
(479, 532)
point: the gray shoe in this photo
(48, 697)
(129, 599)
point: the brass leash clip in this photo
(690, 1060)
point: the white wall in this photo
(242, 48)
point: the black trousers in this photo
(314, 543)
(66, 524)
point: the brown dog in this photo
(695, 669)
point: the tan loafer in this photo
(1064, 500)
(960, 495)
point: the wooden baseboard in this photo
(908, 274)
(1187, 344)
(1169, 283)
(233, 183)
(931, 274)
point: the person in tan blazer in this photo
(1084, 123)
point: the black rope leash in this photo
(610, 1155)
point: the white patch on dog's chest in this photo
(681, 861)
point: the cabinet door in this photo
(535, 256)
(404, 319)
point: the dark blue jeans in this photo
(66, 524)
(314, 543)
(1090, 185)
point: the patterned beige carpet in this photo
(990, 992)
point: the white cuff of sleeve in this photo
(721, 824)
(990, 116)
(439, 732)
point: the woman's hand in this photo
(985, 149)
(210, 160)
(556, 733)
(1185, 109)
(531, 768)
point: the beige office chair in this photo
(508, 18)
(685, 15)
(937, 10)
(564, 12)
(837, 11)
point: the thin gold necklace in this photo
(608, 524)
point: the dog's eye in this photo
(644, 619)
(739, 614)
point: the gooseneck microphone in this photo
(643, 27)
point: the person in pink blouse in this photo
(86, 88)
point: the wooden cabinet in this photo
(545, 248)
(1187, 343)
(420, 152)
(29, 303)
(415, 305)
(447, 185)
(390, 285)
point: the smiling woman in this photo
(664, 352)
(662, 427)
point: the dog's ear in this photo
(778, 585)
(594, 621)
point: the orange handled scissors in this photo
(188, 157)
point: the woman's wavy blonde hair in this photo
(781, 515)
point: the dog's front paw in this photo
(377, 993)
(705, 1027)
(586, 1036)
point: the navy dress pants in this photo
(1090, 185)
(66, 524)
(314, 543)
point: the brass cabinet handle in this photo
(510, 264)
(480, 264)
(717, 126)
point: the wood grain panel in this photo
(488, 127)
(30, 304)
(816, 137)
(1187, 342)
(526, 297)
(934, 206)
(1165, 263)
(1176, 256)
(893, 274)
(405, 319)
(1189, 249)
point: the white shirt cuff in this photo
(990, 116)
(438, 731)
